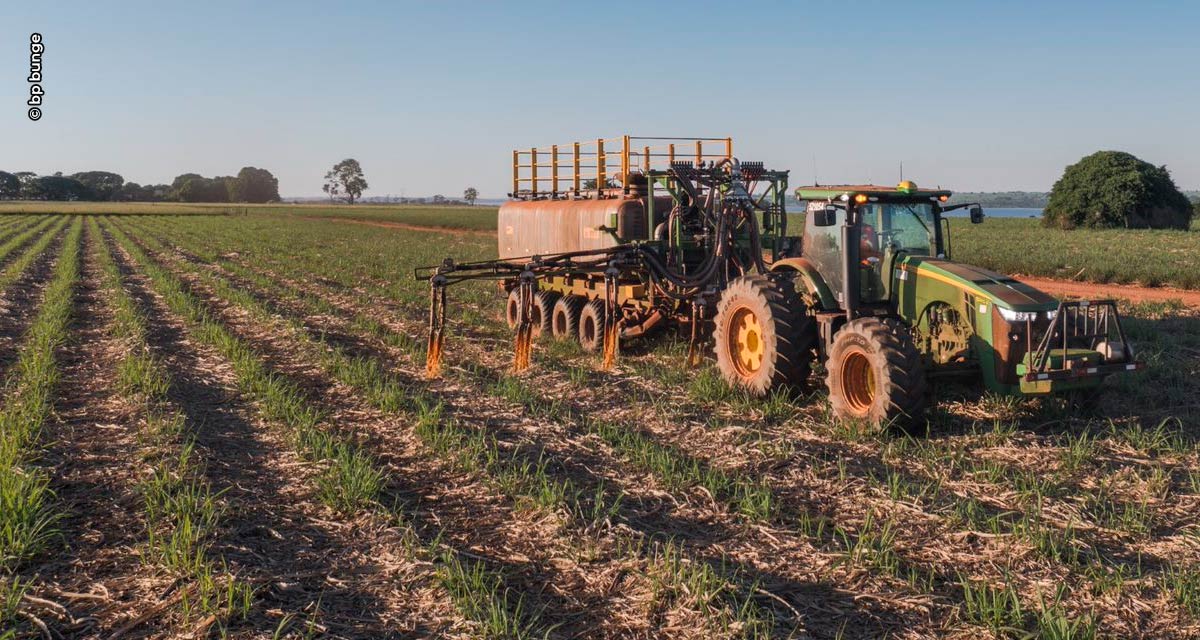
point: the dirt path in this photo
(1096, 291)
(454, 231)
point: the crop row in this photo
(180, 507)
(519, 473)
(1128, 514)
(28, 512)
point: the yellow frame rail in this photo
(528, 185)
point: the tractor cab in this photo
(855, 234)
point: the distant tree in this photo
(439, 199)
(10, 186)
(345, 177)
(104, 185)
(28, 184)
(220, 189)
(332, 188)
(198, 189)
(179, 181)
(130, 192)
(1116, 189)
(610, 183)
(59, 187)
(254, 185)
(471, 195)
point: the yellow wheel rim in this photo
(858, 382)
(745, 342)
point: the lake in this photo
(999, 212)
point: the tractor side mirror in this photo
(826, 217)
(976, 214)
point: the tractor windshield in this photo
(901, 226)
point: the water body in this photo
(998, 212)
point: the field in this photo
(219, 426)
(1139, 257)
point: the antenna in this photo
(901, 171)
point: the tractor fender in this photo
(811, 277)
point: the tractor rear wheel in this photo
(763, 335)
(591, 326)
(875, 374)
(540, 313)
(564, 321)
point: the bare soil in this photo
(1096, 291)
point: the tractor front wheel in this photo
(875, 374)
(763, 335)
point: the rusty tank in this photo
(541, 227)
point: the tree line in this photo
(251, 184)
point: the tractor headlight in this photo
(1016, 316)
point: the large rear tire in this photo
(875, 374)
(763, 335)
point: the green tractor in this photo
(877, 297)
(702, 242)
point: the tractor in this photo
(701, 241)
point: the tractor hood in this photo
(1004, 291)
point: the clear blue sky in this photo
(431, 97)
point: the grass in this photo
(451, 217)
(514, 472)
(1015, 477)
(28, 513)
(1125, 256)
(182, 511)
(347, 473)
(350, 480)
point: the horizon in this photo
(432, 99)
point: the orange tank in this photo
(540, 227)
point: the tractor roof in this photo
(832, 191)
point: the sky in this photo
(432, 97)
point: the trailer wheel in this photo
(543, 306)
(591, 326)
(564, 320)
(875, 374)
(512, 308)
(763, 334)
(543, 312)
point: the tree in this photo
(28, 184)
(60, 188)
(196, 189)
(254, 185)
(471, 195)
(609, 183)
(104, 185)
(10, 186)
(220, 189)
(179, 181)
(345, 177)
(1116, 189)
